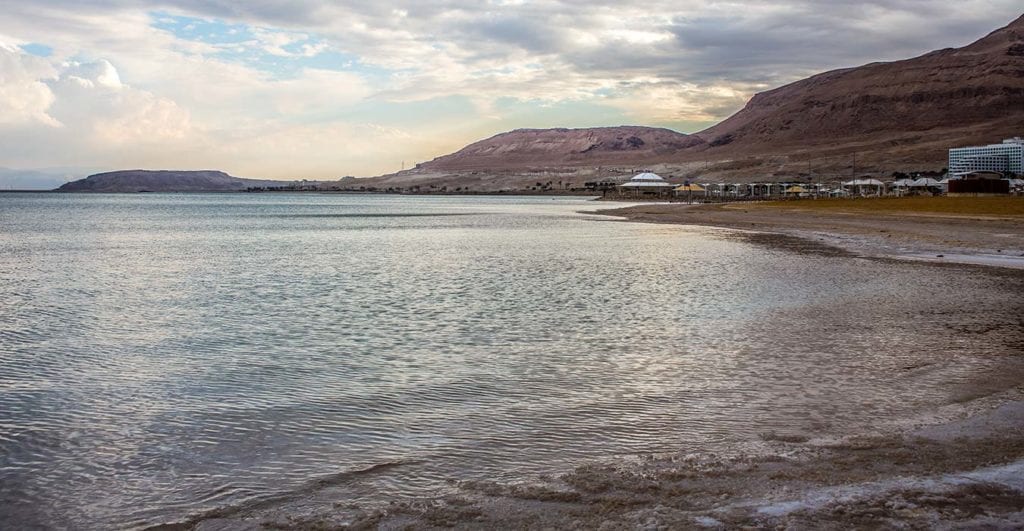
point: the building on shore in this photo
(979, 183)
(647, 182)
(1005, 157)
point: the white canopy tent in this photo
(903, 183)
(646, 181)
(864, 182)
(925, 182)
(860, 184)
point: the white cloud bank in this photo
(24, 97)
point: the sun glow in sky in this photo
(322, 89)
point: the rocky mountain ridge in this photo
(564, 147)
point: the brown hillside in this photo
(163, 181)
(548, 148)
(955, 96)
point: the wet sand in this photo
(955, 465)
(963, 467)
(974, 239)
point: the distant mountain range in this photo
(872, 119)
(876, 118)
(165, 181)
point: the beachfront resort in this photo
(995, 169)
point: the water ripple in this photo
(166, 355)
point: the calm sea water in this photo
(162, 355)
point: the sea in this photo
(167, 355)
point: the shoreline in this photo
(949, 464)
(994, 241)
(956, 466)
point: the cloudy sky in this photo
(322, 89)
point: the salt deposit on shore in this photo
(961, 467)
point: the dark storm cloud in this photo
(809, 37)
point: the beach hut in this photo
(646, 182)
(796, 190)
(924, 182)
(901, 186)
(689, 189)
(861, 184)
(979, 183)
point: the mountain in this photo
(877, 118)
(915, 108)
(164, 181)
(546, 148)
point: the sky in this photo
(316, 89)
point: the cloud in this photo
(24, 98)
(81, 112)
(665, 102)
(325, 88)
(99, 74)
(90, 98)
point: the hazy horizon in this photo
(320, 90)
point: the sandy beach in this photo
(973, 234)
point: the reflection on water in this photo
(165, 354)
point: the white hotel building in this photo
(1008, 156)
